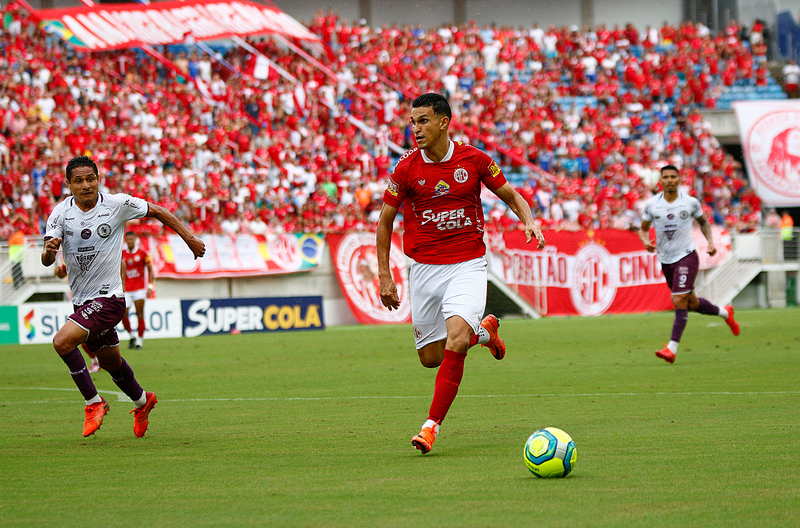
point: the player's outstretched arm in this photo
(388, 292)
(50, 250)
(170, 220)
(644, 236)
(517, 203)
(705, 228)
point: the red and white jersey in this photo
(442, 212)
(135, 263)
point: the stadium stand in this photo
(259, 138)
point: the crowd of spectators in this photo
(580, 119)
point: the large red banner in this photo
(115, 26)
(355, 258)
(586, 272)
(240, 256)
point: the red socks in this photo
(141, 327)
(447, 380)
(126, 323)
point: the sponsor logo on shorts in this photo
(460, 175)
(86, 233)
(104, 230)
(94, 307)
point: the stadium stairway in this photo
(753, 254)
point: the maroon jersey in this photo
(443, 215)
(134, 268)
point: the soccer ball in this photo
(550, 453)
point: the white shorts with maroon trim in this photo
(135, 295)
(440, 291)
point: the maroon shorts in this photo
(100, 317)
(680, 275)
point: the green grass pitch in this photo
(313, 430)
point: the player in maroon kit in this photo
(134, 261)
(439, 185)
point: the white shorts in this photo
(440, 291)
(135, 295)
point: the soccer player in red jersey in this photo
(134, 261)
(439, 184)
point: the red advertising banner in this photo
(770, 132)
(355, 258)
(116, 26)
(240, 256)
(586, 272)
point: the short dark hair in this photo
(670, 167)
(80, 161)
(436, 101)
(130, 233)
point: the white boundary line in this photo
(121, 396)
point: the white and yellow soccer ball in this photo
(550, 453)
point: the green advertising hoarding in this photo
(9, 332)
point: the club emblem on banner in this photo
(594, 280)
(356, 259)
(771, 147)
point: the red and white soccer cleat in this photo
(495, 345)
(731, 321)
(94, 417)
(424, 440)
(666, 354)
(140, 422)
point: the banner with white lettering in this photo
(263, 314)
(587, 272)
(117, 26)
(355, 257)
(39, 322)
(239, 256)
(770, 132)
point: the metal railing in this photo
(765, 250)
(21, 279)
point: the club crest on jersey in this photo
(441, 188)
(460, 175)
(684, 215)
(85, 262)
(104, 230)
(421, 183)
(86, 233)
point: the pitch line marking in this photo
(123, 398)
(120, 395)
